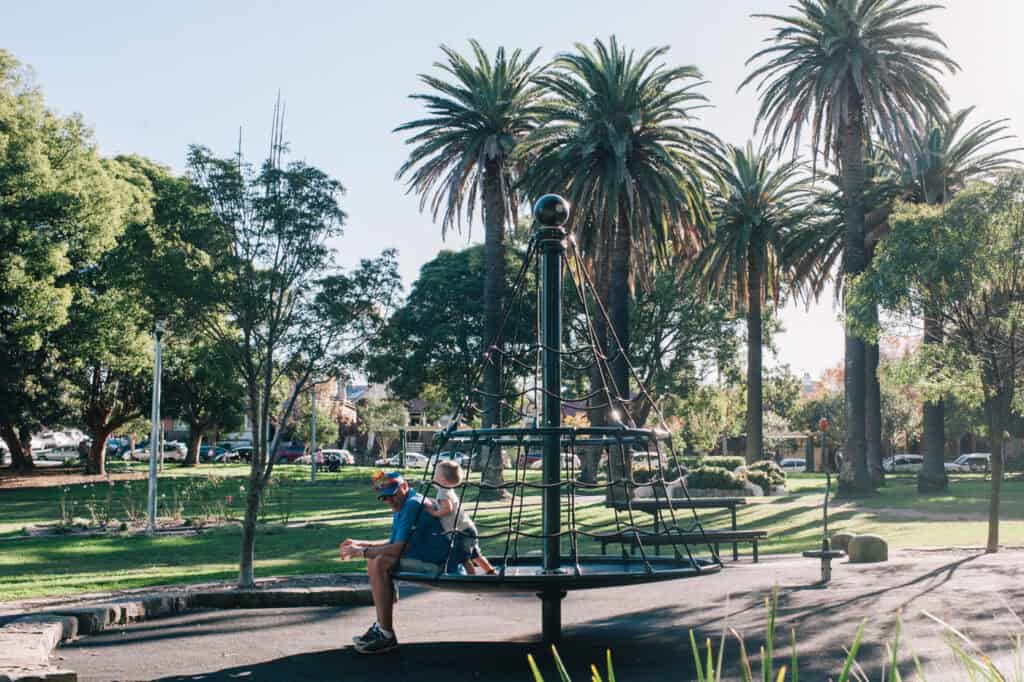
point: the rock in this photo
(867, 549)
(841, 540)
(752, 489)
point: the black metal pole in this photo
(551, 213)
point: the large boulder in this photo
(867, 549)
(841, 540)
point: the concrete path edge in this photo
(28, 642)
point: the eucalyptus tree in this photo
(270, 294)
(755, 211)
(478, 112)
(839, 69)
(61, 209)
(617, 137)
(938, 160)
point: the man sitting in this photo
(417, 545)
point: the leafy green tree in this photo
(781, 391)
(962, 261)
(938, 161)
(60, 209)
(270, 272)
(476, 120)
(841, 68)
(382, 421)
(436, 338)
(617, 140)
(755, 209)
(326, 427)
(201, 386)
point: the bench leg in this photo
(735, 545)
(755, 551)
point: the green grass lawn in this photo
(342, 505)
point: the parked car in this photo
(239, 454)
(211, 452)
(173, 452)
(462, 458)
(528, 459)
(568, 461)
(413, 460)
(288, 453)
(979, 462)
(793, 465)
(903, 464)
(343, 457)
(649, 459)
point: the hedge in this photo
(711, 477)
(729, 463)
(773, 470)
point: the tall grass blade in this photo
(562, 672)
(748, 674)
(611, 670)
(595, 676)
(768, 666)
(537, 677)
(894, 669)
(696, 658)
(848, 666)
(793, 661)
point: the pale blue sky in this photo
(152, 78)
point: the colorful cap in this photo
(387, 484)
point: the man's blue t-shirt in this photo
(422, 531)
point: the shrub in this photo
(710, 477)
(730, 462)
(773, 470)
(760, 479)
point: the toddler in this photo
(448, 475)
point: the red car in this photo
(289, 452)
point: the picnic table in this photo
(657, 508)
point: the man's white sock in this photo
(387, 633)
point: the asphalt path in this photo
(458, 636)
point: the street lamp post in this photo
(312, 432)
(154, 435)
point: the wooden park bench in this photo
(710, 537)
(659, 510)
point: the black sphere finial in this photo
(551, 210)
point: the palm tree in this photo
(616, 137)
(937, 161)
(841, 68)
(464, 150)
(755, 210)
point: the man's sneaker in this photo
(376, 642)
(358, 639)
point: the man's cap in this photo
(387, 484)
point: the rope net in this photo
(604, 470)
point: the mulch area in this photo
(60, 476)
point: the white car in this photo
(345, 457)
(970, 462)
(173, 452)
(568, 461)
(649, 459)
(413, 460)
(793, 465)
(903, 464)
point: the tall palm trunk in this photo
(873, 414)
(755, 400)
(852, 161)
(494, 281)
(598, 412)
(932, 477)
(619, 460)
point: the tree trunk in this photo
(619, 462)
(97, 462)
(599, 404)
(873, 415)
(247, 549)
(852, 169)
(809, 455)
(755, 412)
(195, 441)
(997, 426)
(19, 447)
(494, 284)
(932, 477)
